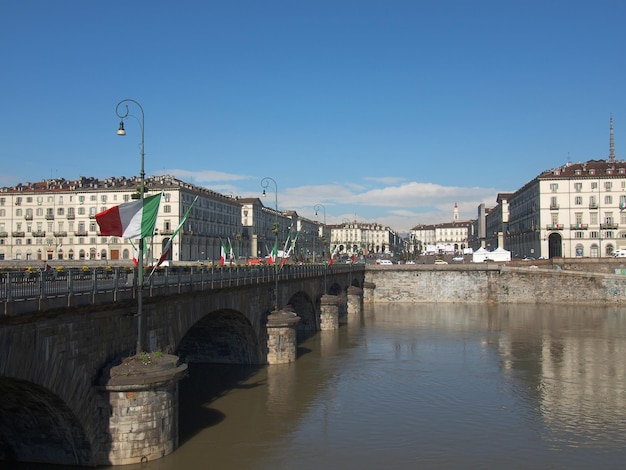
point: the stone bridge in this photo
(74, 392)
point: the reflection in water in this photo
(420, 386)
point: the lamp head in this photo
(264, 193)
(121, 130)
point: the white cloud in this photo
(397, 204)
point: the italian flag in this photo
(274, 254)
(132, 219)
(222, 253)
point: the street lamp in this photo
(122, 132)
(317, 208)
(265, 182)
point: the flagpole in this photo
(264, 184)
(122, 132)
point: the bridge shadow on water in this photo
(205, 384)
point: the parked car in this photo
(440, 261)
(384, 262)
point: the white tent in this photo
(499, 254)
(479, 255)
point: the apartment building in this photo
(55, 220)
(354, 238)
(450, 236)
(576, 210)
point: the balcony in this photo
(81, 233)
(4, 234)
(70, 216)
(166, 232)
(608, 226)
(18, 234)
(39, 234)
(554, 227)
(28, 217)
(579, 227)
(554, 206)
(60, 234)
(593, 205)
(49, 216)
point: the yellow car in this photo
(440, 261)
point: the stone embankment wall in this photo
(492, 283)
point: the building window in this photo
(167, 209)
(554, 187)
(578, 200)
(579, 234)
(578, 187)
(594, 184)
(608, 185)
(608, 200)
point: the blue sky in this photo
(386, 112)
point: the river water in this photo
(420, 387)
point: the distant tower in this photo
(455, 217)
(612, 144)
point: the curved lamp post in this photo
(122, 115)
(265, 182)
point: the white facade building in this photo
(354, 238)
(447, 236)
(55, 220)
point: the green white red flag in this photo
(135, 219)
(168, 245)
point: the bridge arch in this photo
(37, 426)
(223, 336)
(308, 311)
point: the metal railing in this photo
(107, 285)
